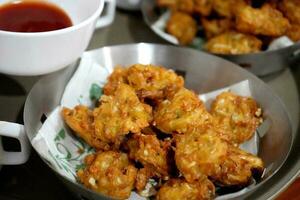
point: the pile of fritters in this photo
(233, 26)
(148, 127)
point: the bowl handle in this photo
(15, 131)
(108, 18)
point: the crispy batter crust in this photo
(233, 43)
(120, 114)
(238, 116)
(151, 152)
(81, 121)
(183, 27)
(215, 27)
(266, 21)
(202, 153)
(109, 173)
(181, 112)
(224, 8)
(291, 9)
(148, 81)
(179, 189)
(294, 32)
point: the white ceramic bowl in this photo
(45, 52)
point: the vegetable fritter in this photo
(215, 27)
(117, 77)
(224, 8)
(179, 189)
(291, 9)
(81, 121)
(153, 82)
(110, 173)
(233, 43)
(142, 178)
(238, 116)
(294, 32)
(202, 153)
(266, 21)
(181, 112)
(151, 152)
(120, 114)
(183, 27)
(148, 81)
(203, 7)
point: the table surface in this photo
(34, 180)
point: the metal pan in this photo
(203, 72)
(261, 64)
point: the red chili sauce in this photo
(32, 16)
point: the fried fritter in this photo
(181, 112)
(291, 9)
(110, 173)
(202, 153)
(203, 7)
(183, 27)
(120, 114)
(233, 43)
(215, 27)
(81, 121)
(143, 177)
(238, 116)
(153, 82)
(148, 81)
(115, 79)
(151, 152)
(294, 32)
(179, 189)
(224, 7)
(266, 21)
(186, 6)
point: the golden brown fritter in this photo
(181, 112)
(266, 21)
(294, 32)
(120, 114)
(183, 27)
(291, 9)
(150, 152)
(143, 177)
(115, 79)
(202, 153)
(148, 81)
(186, 6)
(109, 173)
(153, 82)
(203, 7)
(179, 189)
(233, 43)
(224, 8)
(238, 116)
(215, 27)
(81, 121)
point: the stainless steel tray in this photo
(203, 73)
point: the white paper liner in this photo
(65, 152)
